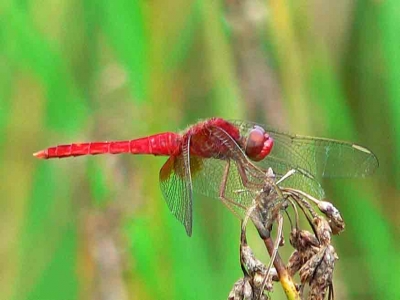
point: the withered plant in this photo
(313, 256)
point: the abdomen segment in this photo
(160, 144)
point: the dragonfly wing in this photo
(299, 180)
(176, 187)
(208, 179)
(208, 173)
(318, 156)
(325, 157)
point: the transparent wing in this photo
(229, 174)
(209, 179)
(244, 180)
(319, 157)
(176, 187)
(299, 180)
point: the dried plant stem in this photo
(284, 277)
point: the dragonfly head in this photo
(258, 143)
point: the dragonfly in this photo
(228, 160)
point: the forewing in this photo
(316, 156)
(176, 188)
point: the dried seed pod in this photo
(256, 272)
(274, 274)
(250, 262)
(314, 257)
(295, 263)
(323, 230)
(306, 245)
(334, 217)
(258, 281)
(241, 290)
(318, 272)
(302, 240)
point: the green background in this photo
(98, 227)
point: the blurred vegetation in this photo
(97, 227)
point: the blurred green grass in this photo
(75, 71)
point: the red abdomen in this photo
(167, 143)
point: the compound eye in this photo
(255, 142)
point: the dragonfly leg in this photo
(245, 180)
(228, 202)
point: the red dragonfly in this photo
(228, 160)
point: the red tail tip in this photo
(40, 154)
